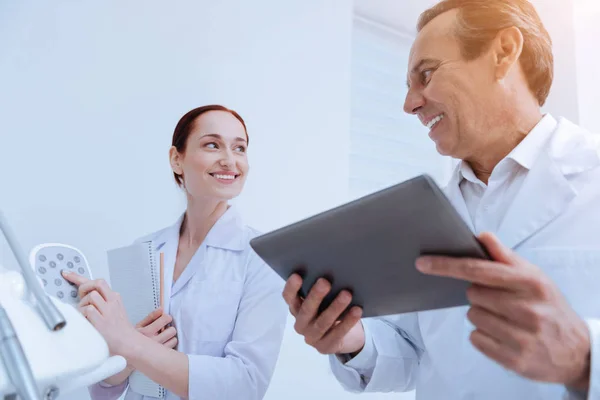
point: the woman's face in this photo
(214, 163)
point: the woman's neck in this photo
(200, 217)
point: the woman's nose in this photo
(227, 159)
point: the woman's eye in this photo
(212, 145)
(241, 149)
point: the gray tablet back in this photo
(370, 246)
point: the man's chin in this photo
(443, 149)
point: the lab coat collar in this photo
(546, 191)
(227, 233)
(530, 148)
(525, 154)
(456, 198)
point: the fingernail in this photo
(423, 264)
(345, 297)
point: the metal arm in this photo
(15, 362)
(50, 314)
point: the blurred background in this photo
(90, 93)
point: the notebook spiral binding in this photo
(155, 277)
(155, 288)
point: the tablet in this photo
(369, 247)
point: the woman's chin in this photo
(226, 194)
(213, 195)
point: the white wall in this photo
(587, 30)
(557, 16)
(90, 94)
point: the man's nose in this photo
(413, 102)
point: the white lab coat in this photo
(554, 222)
(228, 311)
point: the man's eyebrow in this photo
(423, 62)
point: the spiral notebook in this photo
(135, 275)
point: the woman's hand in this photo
(151, 355)
(104, 309)
(155, 327)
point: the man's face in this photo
(448, 94)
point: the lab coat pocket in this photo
(210, 310)
(576, 272)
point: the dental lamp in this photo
(47, 347)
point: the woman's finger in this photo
(91, 314)
(172, 343)
(94, 299)
(150, 318)
(159, 324)
(166, 335)
(98, 285)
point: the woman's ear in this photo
(175, 160)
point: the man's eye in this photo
(426, 75)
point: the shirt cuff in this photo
(104, 391)
(594, 389)
(355, 373)
(365, 360)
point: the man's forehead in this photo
(442, 24)
(433, 39)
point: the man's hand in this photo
(522, 320)
(153, 326)
(325, 332)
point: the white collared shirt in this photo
(487, 204)
(228, 312)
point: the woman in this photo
(225, 302)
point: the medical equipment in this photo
(47, 347)
(49, 259)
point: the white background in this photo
(90, 93)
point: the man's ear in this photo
(507, 48)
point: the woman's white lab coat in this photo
(228, 310)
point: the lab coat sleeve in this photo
(388, 362)
(593, 392)
(101, 391)
(250, 357)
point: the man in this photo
(479, 71)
